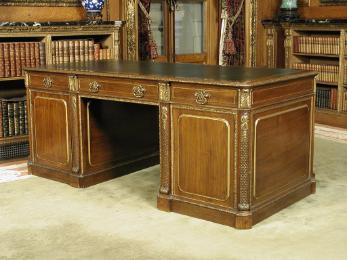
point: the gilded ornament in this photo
(94, 87)
(139, 91)
(47, 82)
(202, 97)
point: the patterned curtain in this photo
(234, 43)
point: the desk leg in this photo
(164, 202)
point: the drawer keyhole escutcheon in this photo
(139, 91)
(94, 86)
(47, 82)
(201, 97)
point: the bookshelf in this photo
(317, 45)
(34, 44)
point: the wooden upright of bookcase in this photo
(107, 34)
(321, 46)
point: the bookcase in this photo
(33, 44)
(321, 46)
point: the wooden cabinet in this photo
(34, 44)
(318, 46)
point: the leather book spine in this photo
(42, 53)
(66, 51)
(12, 60)
(21, 118)
(1, 127)
(82, 56)
(91, 49)
(25, 118)
(16, 117)
(10, 119)
(97, 51)
(2, 61)
(71, 51)
(77, 50)
(18, 59)
(4, 118)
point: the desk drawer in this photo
(203, 95)
(49, 81)
(121, 88)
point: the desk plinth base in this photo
(232, 217)
(84, 181)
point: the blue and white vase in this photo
(93, 8)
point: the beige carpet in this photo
(42, 219)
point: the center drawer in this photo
(202, 95)
(120, 88)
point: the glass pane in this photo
(189, 27)
(156, 14)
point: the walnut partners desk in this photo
(235, 144)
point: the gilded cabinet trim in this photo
(75, 135)
(245, 98)
(165, 163)
(164, 92)
(73, 84)
(244, 162)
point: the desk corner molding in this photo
(244, 163)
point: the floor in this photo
(118, 219)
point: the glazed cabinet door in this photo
(50, 135)
(203, 151)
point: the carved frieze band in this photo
(164, 148)
(244, 162)
(245, 98)
(164, 92)
(131, 30)
(75, 137)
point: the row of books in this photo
(345, 75)
(326, 97)
(327, 73)
(13, 117)
(316, 45)
(345, 101)
(78, 51)
(16, 55)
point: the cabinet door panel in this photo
(50, 128)
(203, 151)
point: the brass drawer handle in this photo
(47, 82)
(139, 91)
(201, 97)
(94, 86)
